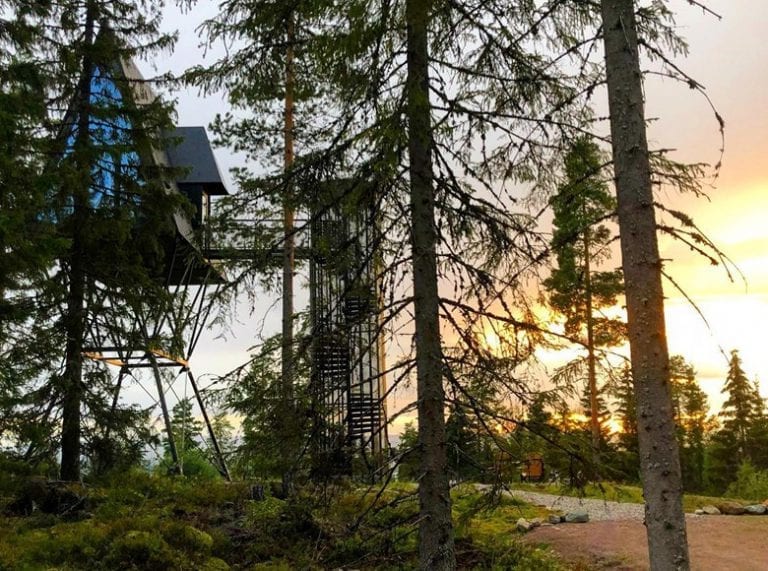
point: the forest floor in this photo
(615, 537)
(138, 520)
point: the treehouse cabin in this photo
(188, 153)
(137, 174)
(131, 160)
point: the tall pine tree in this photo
(581, 242)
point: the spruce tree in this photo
(758, 433)
(742, 434)
(106, 199)
(738, 411)
(28, 244)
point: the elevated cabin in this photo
(189, 150)
(186, 150)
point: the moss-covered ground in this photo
(144, 521)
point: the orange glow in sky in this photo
(727, 57)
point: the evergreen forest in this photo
(446, 232)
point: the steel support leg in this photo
(166, 415)
(219, 456)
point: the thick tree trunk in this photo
(436, 548)
(75, 318)
(659, 455)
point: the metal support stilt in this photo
(219, 456)
(166, 415)
(115, 399)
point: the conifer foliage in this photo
(742, 437)
(104, 198)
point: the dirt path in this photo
(717, 543)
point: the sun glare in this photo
(491, 341)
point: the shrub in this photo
(751, 483)
(265, 513)
(214, 564)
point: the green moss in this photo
(142, 550)
(145, 521)
(280, 565)
(222, 543)
(188, 538)
(214, 564)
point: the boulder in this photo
(537, 521)
(699, 512)
(578, 516)
(523, 525)
(554, 519)
(756, 509)
(710, 510)
(731, 508)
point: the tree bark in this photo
(288, 245)
(75, 317)
(436, 546)
(659, 455)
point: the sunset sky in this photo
(729, 58)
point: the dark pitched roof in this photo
(194, 154)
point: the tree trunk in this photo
(659, 455)
(75, 318)
(288, 248)
(436, 548)
(591, 373)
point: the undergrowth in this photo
(145, 521)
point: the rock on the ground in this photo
(731, 508)
(756, 509)
(523, 525)
(710, 510)
(699, 512)
(578, 516)
(537, 521)
(554, 519)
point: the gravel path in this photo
(598, 510)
